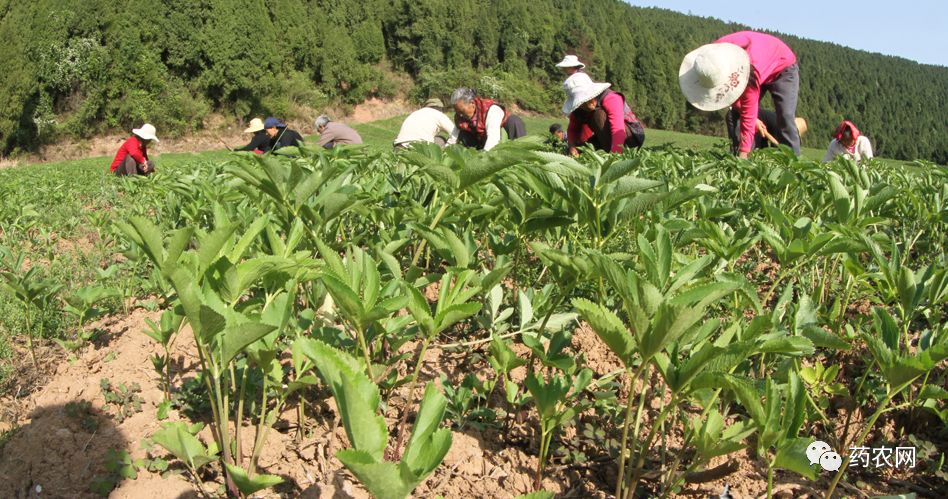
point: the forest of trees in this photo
(74, 68)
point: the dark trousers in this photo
(130, 167)
(514, 127)
(785, 91)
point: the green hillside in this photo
(91, 66)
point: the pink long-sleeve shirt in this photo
(614, 105)
(768, 58)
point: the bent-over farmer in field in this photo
(480, 120)
(280, 135)
(848, 142)
(332, 134)
(428, 124)
(736, 70)
(604, 112)
(260, 142)
(570, 65)
(132, 156)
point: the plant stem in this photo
(633, 378)
(403, 422)
(260, 425)
(240, 415)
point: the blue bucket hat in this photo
(272, 122)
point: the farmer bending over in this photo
(848, 142)
(260, 142)
(427, 125)
(737, 70)
(480, 120)
(132, 156)
(332, 134)
(604, 112)
(280, 135)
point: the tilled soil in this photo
(55, 453)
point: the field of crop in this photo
(670, 322)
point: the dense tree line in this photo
(78, 67)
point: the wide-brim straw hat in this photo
(256, 125)
(147, 132)
(714, 76)
(581, 90)
(801, 125)
(570, 61)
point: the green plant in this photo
(358, 400)
(126, 399)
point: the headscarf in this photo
(838, 134)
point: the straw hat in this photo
(715, 75)
(801, 125)
(570, 61)
(147, 132)
(434, 102)
(256, 125)
(581, 90)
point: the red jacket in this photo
(477, 124)
(133, 146)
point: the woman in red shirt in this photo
(736, 70)
(132, 156)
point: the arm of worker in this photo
(615, 110)
(495, 116)
(447, 125)
(748, 104)
(573, 135)
(259, 141)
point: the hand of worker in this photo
(573, 152)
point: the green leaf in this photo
(384, 480)
(608, 327)
(176, 439)
(249, 485)
(824, 339)
(428, 445)
(791, 455)
(235, 338)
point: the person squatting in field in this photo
(848, 142)
(132, 156)
(736, 70)
(332, 134)
(480, 120)
(766, 128)
(428, 124)
(260, 142)
(610, 121)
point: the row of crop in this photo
(650, 249)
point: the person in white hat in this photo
(570, 65)
(260, 142)
(132, 156)
(736, 70)
(427, 124)
(599, 116)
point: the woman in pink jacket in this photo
(736, 70)
(608, 122)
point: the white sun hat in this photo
(256, 125)
(570, 61)
(580, 90)
(147, 132)
(715, 75)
